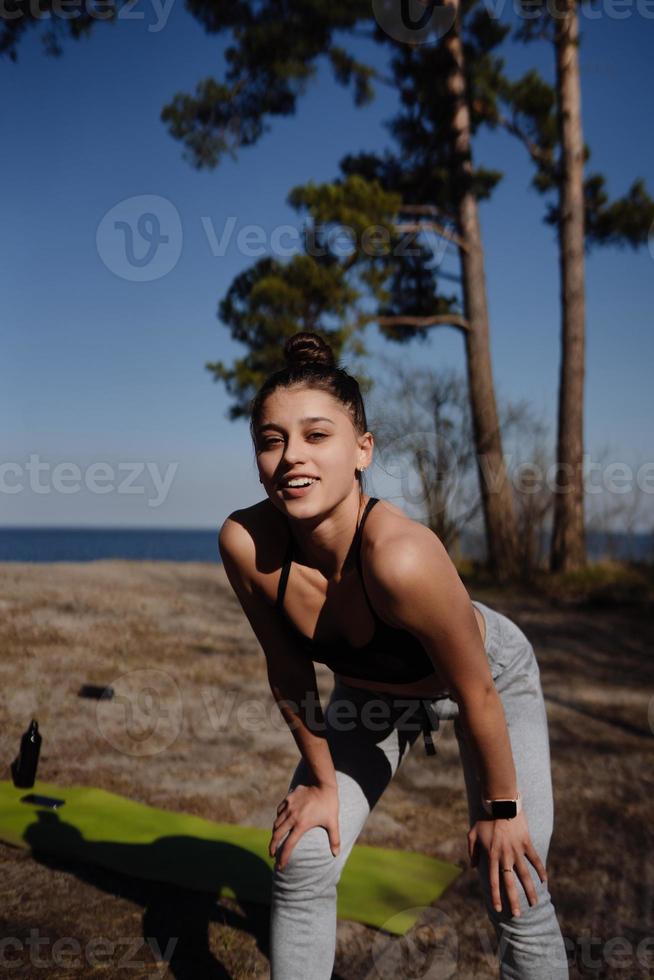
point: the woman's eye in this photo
(317, 434)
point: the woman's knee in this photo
(531, 944)
(311, 867)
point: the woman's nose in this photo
(293, 452)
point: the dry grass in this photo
(65, 625)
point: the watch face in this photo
(504, 809)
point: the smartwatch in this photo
(503, 809)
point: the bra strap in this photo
(283, 578)
(371, 503)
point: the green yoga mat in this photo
(377, 884)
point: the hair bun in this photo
(308, 349)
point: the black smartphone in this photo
(50, 801)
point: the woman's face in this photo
(309, 433)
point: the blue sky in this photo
(100, 369)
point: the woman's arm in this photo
(291, 674)
(412, 578)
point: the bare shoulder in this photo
(392, 534)
(250, 539)
(398, 549)
(414, 585)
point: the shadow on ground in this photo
(175, 919)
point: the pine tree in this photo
(548, 120)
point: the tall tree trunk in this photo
(496, 493)
(568, 548)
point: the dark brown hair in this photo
(310, 363)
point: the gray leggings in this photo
(303, 908)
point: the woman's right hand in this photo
(300, 810)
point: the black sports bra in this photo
(392, 655)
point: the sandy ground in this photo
(179, 628)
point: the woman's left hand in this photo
(509, 846)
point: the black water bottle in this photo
(23, 768)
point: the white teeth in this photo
(299, 482)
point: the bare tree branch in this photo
(433, 226)
(445, 319)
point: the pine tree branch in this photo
(538, 155)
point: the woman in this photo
(325, 573)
